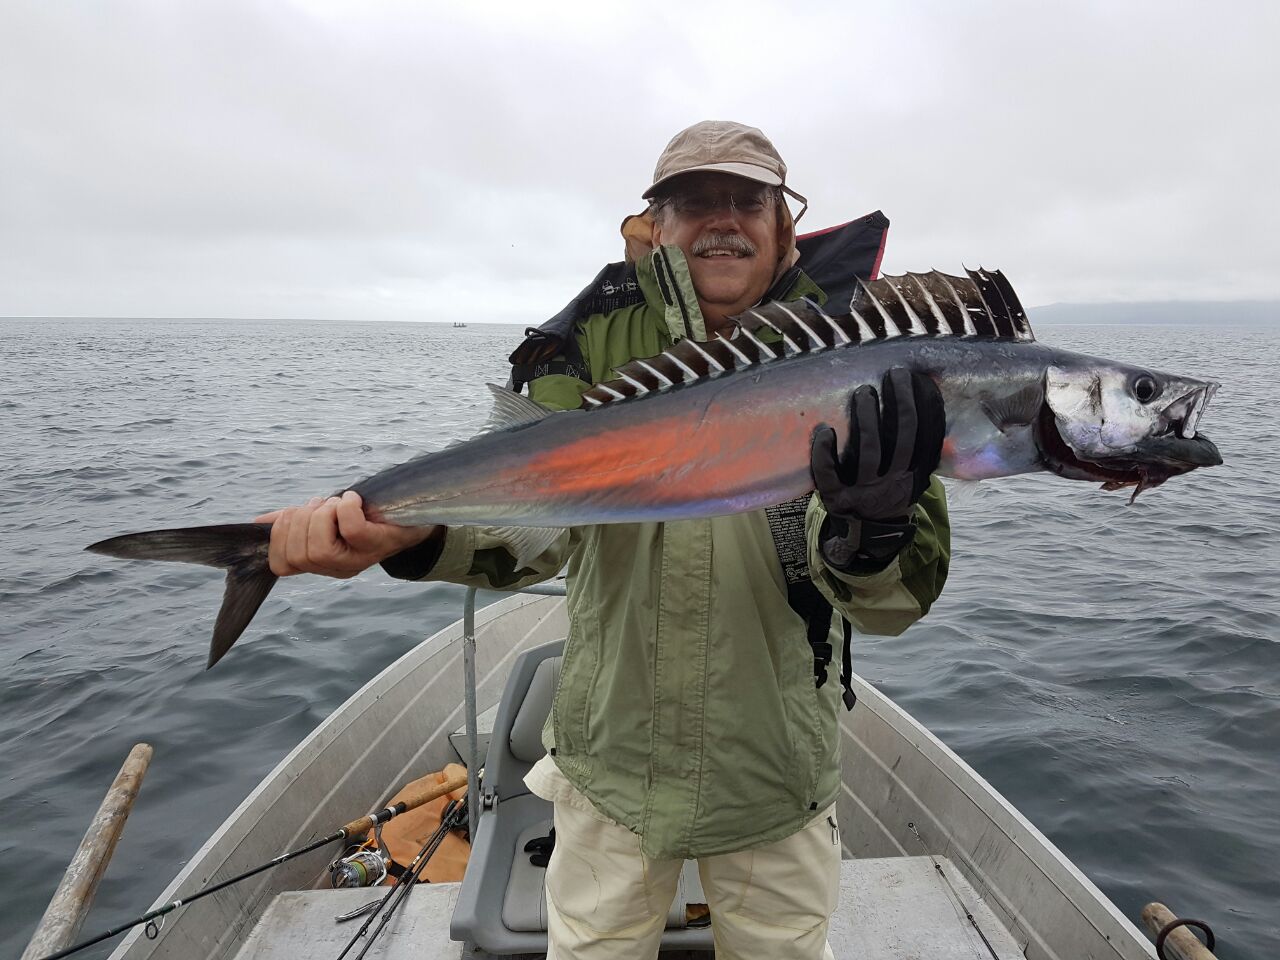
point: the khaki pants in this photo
(606, 899)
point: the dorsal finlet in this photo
(661, 377)
(623, 375)
(865, 332)
(746, 361)
(943, 326)
(933, 304)
(837, 330)
(915, 326)
(816, 341)
(688, 371)
(767, 321)
(715, 365)
(984, 301)
(766, 351)
(890, 328)
(967, 321)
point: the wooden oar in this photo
(1174, 941)
(354, 828)
(73, 898)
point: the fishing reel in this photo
(362, 865)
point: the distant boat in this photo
(457, 324)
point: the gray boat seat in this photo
(502, 906)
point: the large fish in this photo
(724, 427)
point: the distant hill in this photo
(1227, 312)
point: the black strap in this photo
(786, 524)
(846, 669)
(553, 348)
(542, 354)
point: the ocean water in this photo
(1114, 670)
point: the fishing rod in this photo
(355, 828)
(454, 816)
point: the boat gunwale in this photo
(262, 798)
(1041, 852)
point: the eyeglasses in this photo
(751, 201)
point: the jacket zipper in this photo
(670, 281)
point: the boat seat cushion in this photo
(526, 728)
(501, 906)
(524, 908)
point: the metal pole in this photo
(555, 588)
(469, 692)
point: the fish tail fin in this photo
(238, 548)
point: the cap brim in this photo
(748, 171)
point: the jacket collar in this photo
(667, 285)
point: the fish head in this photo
(1122, 425)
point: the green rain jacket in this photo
(687, 709)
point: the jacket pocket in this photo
(805, 709)
(573, 692)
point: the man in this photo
(693, 718)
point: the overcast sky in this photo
(422, 161)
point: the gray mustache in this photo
(734, 242)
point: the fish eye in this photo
(1145, 387)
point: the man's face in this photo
(727, 227)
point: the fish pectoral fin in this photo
(960, 492)
(1016, 410)
(527, 543)
(511, 409)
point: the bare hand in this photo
(334, 538)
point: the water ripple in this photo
(1114, 670)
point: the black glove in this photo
(895, 442)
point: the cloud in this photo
(411, 161)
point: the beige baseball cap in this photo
(723, 146)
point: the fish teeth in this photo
(1197, 409)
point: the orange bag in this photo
(406, 834)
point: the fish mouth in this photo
(1174, 448)
(1181, 417)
